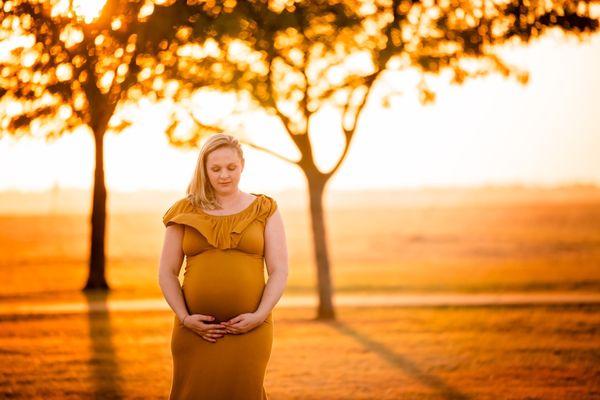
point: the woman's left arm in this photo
(277, 266)
(276, 258)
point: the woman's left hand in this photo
(243, 323)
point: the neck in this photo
(226, 199)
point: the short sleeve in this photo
(273, 207)
(172, 212)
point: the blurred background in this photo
(460, 204)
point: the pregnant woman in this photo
(223, 326)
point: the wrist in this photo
(261, 315)
(184, 317)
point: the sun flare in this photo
(88, 9)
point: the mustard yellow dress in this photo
(223, 277)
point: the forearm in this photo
(272, 293)
(171, 288)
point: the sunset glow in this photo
(487, 131)
(88, 9)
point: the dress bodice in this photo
(243, 231)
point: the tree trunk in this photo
(97, 276)
(315, 189)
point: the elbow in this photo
(160, 280)
(165, 276)
(280, 274)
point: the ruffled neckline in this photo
(221, 231)
(257, 197)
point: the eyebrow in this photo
(217, 165)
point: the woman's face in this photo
(224, 168)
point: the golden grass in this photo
(380, 353)
(486, 353)
(465, 248)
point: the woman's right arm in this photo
(171, 260)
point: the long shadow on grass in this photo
(401, 362)
(103, 362)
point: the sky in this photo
(484, 132)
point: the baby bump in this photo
(223, 283)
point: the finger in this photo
(210, 328)
(235, 320)
(202, 332)
(208, 339)
(213, 326)
(239, 325)
(202, 317)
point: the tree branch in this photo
(349, 133)
(271, 152)
(217, 128)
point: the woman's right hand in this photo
(208, 332)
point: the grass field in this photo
(550, 353)
(465, 248)
(412, 353)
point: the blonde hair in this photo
(200, 192)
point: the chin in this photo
(226, 188)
